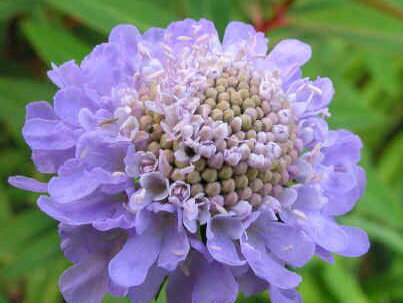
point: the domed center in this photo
(237, 143)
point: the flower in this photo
(206, 164)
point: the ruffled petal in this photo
(278, 295)
(266, 267)
(131, 265)
(48, 134)
(28, 184)
(289, 244)
(250, 284)
(175, 246)
(238, 35)
(146, 291)
(85, 282)
(40, 109)
(67, 74)
(69, 102)
(288, 56)
(213, 282)
(221, 233)
(357, 242)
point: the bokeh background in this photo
(357, 43)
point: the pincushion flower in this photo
(210, 165)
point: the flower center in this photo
(237, 143)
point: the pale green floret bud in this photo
(240, 135)
(246, 122)
(228, 185)
(209, 175)
(145, 122)
(256, 185)
(265, 176)
(260, 113)
(223, 97)
(223, 105)
(211, 93)
(175, 144)
(241, 181)
(244, 91)
(222, 82)
(196, 189)
(235, 98)
(170, 155)
(210, 102)
(254, 90)
(157, 118)
(154, 147)
(236, 109)
(217, 114)
(177, 175)
(243, 86)
(228, 115)
(200, 164)
(251, 134)
(258, 125)
(276, 178)
(213, 189)
(252, 173)
(220, 88)
(181, 164)
(232, 81)
(256, 100)
(241, 168)
(225, 173)
(193, 177)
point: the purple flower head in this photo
(210, 165)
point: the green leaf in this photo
(111, 299)
(10, 8)
(5, 209)
(342, 284)
(347, 106)
(379, 201)
(36, 254)
(351, 21)
(221, 14)
(3, 298)
(102, 15)
(16, 231)
(42, 284)
(391, 161)
(15, 94)
(53, 43)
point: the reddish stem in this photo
(278, 19)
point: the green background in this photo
(358, 44)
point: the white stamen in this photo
(118, 173)
(215, 247)
(300, 214)
(184, 38)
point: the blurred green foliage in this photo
(358, 44)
